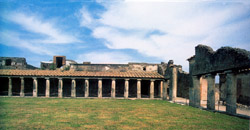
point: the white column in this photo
(73, 88)
(60, 88)
(86, 88)
(47, 94)
(34, 87)
(10, 87)
(99, 88)
(113, 88)
(152, 85)
(138, 88)
(22, 87)
(126, 89)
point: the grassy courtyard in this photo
(54, 113)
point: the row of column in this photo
(230, 97)
(73, 88)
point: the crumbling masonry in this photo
(233, 66)
(66, 78)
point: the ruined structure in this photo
(233, 67)
(14, 63)
(178, 80)
(66, 78)
(58, 62)
(132, 80)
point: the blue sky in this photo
(120, 31)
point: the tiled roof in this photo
(131, 74)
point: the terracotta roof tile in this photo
(130, 74)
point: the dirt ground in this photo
(220, 107)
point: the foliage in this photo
(66, 68)
(52, 67)
(77, 113)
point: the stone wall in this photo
(14, 63)
(183, 83)
(243, 88)
(46, 65)
(225, 58)
(183, 80)
(116, 67)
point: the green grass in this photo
(54, 113)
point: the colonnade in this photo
(194, 91)
(161, 88)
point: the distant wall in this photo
(99, 67)
(116, 67)
(14, 63)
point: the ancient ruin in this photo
(14, 63)
(233, 67)
(61, 77)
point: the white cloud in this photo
(183, 25)
(33, 24)
(40, 37)
(104, 57)
(13, 39)
(86, 19)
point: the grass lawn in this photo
(66, 113)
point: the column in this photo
(191, 95)
(126, 89)
(173, 86)
(73, 88)
(211, 92)
(10, 87)
(60, 88)
(195, 94)
(34, 87)
(165, 90)
(113, 88)
(22, 87)
(138, 88)
(160, 89)
(47, 93)
(152, 85)
(231, 93)
(223, 87)
(86, 88)
(99, 88)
